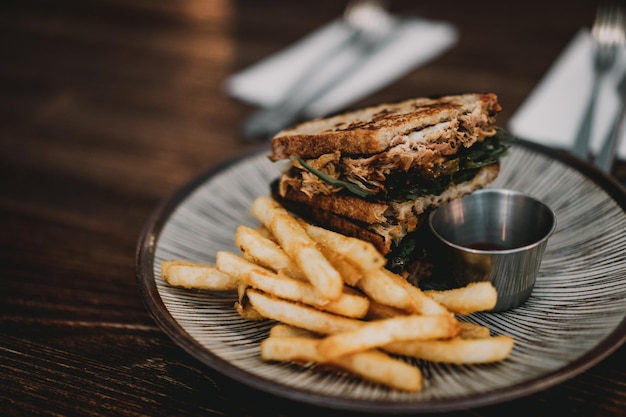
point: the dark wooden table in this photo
(109, 106)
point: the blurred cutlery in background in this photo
(266, 83)
(370, 24)
(608, 35)
(606, 157)
(549, 113)
(411, 42)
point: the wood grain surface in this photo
(107, 107)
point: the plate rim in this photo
(145, 278)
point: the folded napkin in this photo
(552, 113)
(413, 42)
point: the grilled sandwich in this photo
(375, 173)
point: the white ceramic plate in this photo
(574, 318)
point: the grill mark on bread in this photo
(369, 130)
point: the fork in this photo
(605, 158)
(370, 23)
(608, 36)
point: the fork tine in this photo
(608, 35)
(606, 155)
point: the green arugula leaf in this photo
(353, 188)
(469, 162)
(399, 258)
(461, 167)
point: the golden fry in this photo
(473, 331)
(372, 365)
(265, 232)
(243, 306)
(383, 289)
(381, 332)
(350, 273)
(299, 246)
(285, 330)
(379, 311)
(283, 286)
(477, 296)
(457, 350)
(199, 276)
(300, 315)
(247, 312)
(420, 302)
(361, 253)
(265, 252)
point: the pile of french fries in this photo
(335, 303)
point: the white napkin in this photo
(552, 113)
(413, 42)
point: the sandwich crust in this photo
(373, 129)
(332, 221)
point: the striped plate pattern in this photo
(574, 317)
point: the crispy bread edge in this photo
(346, 205)
(354, 216)
(332, 221)
(370, 130)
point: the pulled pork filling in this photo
(412, 160)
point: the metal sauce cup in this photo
(495, 235)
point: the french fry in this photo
(383, 289)
(457, 350)
(379, 311)
(243, 306)
(350, 273)
(387, 288)
(476, 296)
(200, 276)
(265, 252)
(248, 312)
(299, 246)
(283, 286)
(285, 330)
(265, 232)
(371, 365)
(349, 304)
(473, 330)
(242, 297)
(420, 302)
(300, 315)
(362, 254)
(381, 332)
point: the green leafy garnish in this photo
(353, 188)
(486, 153)
(400, 257)
(461, 167)
(465, 164)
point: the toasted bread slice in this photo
(332, 221)
(373, 129)
(384, 223)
